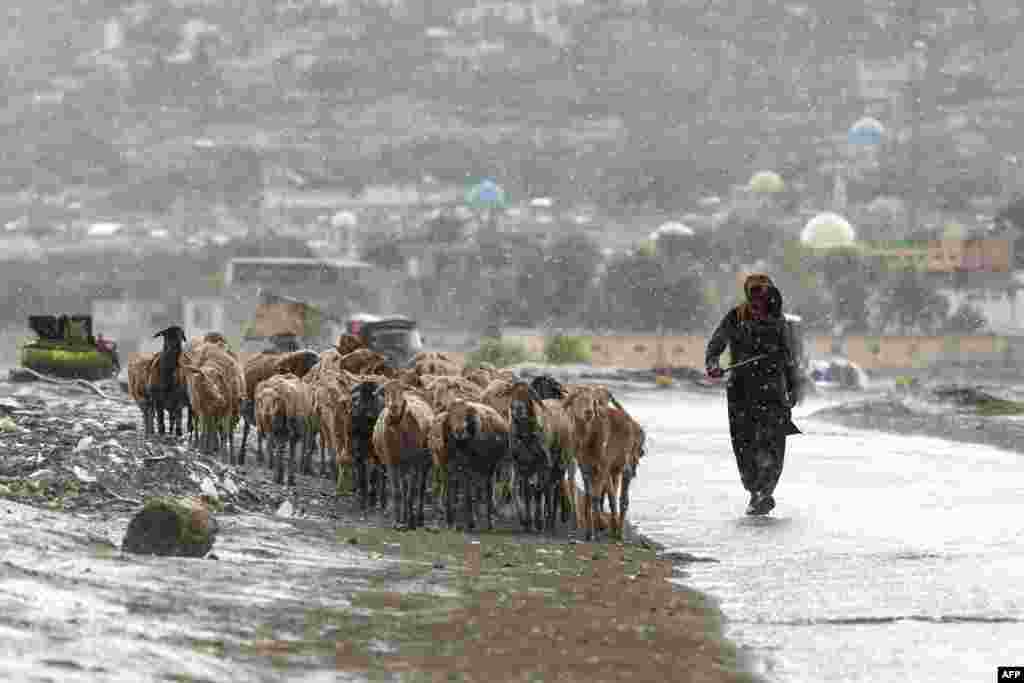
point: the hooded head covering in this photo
(745, 311)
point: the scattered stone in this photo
(207, 487)
(9, 405)
(182, 527)
(83, 474)
(43, 475)
(230, 486)
(286, 509)
(85, 443)
(7, 424)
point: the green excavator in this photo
(65, 347)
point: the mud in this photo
(299, 586)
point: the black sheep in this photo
(169, 394)
(537, 472)
(474, 458)
(367, 405)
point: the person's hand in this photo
(715, 372)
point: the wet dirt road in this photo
(888, 557)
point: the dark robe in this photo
(760, 394)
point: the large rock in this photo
(171, 526)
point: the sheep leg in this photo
(489, 492)
(323, 457)
(409, 486)
(590, 501)
(627, 479)
(538, 502)
(383, 475)
(523, 502)
(259, 447)
(362, 484)
(553, 496)
(613, 511)
(422, 470)
(245, 438)
(396, 494)
(230, 436)
(467, 502)
(278, 465)
(449, 497)
(292, 443)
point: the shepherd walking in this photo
(763, 386)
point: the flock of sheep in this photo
(396, 429)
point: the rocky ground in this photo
(299, 586)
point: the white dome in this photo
(828, 230)
(672, 228)
(766, 182)
(343, 219)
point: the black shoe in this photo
(754, 505)
(760, 504)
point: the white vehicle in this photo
(837, 373)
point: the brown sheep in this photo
(330, 406)
(400, 441)
(141, 374)
(256, 369)
(432, 366)
(216, 384)
(445, 389)
(433, 355)
(497, 394)
(260, 367)
(481, 376)
(624, 449)
(284, 409)
(587, 408)
(347, 343)
(363, 362)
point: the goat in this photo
(587, 408)
(216, 383)
(367, 403)
(547, 386)
(400, 440)
(284, 407)
(140, 367)
(169, 393)
(478, 442)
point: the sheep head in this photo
(586, 403)
(368, 401)
(394, 401)
(174, 336)
(205, 382)
(465, 424)
(523, 405)
(547, 387)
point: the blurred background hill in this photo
(130, 106)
